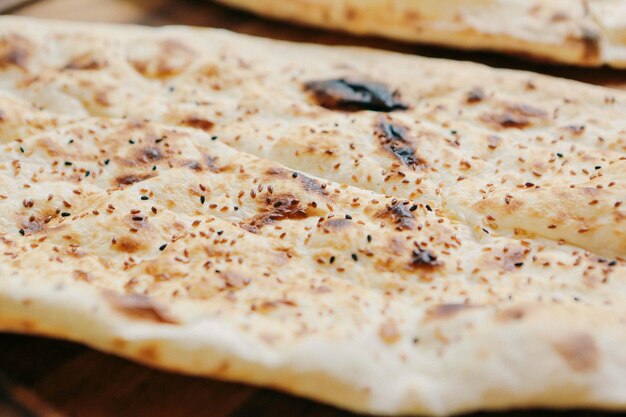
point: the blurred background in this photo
(41, 377)
(207, 13)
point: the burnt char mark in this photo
(128, 244)
(517, 116)
(85, 63)
(199, 123)
(591, 44)
(475, 95)
(309, 184)
(421, 258)
(277, 208)
(393, 139)
(401, 215)
(131, 179)
(141, 307)
(350, 95)
(446, 311)
(149, 154)
(14, 51)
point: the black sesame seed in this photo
(428, 208)
(70, 141)
(235, 208)
(612, 263)
(348, 217)
(144, 197)
(219, 233)
(413, 207)
(202, 199)
(332, 259)
(369, 238)
(355, 257)
(154, 167)
(453, 132)
(519, 264)
(159, 140)
(294, 175)
(21, 149)
(559, 154)
(106, 162)
(132, 142)
(87, 173)
(162, 247)
(485, 230)
(213, 137)
(67, 163)
(65, 214)
(598, 167)
(137, 218)
(22, 232)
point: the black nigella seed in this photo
(202, 199)
(154, 167)
(519, 264)
(22, 232)
(348, 217)
(144, 197)
(106, 162)
(355, 257)
(67, 163)
(612, 263)
(559, 154)
(132, 142)
(413, 207)
(65, 214)
(428, 208)
(332, 259)
(219, 233)
(294, 175)
(213, 137)
(162, 247)
(369, 238)
(598, 167)
(21, 149)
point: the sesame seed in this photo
(65, 214)
(162, 247)
(355, 257)
(144, 197)
(332, 259)
(202, 199)
(67, 163)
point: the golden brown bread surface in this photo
(574, 32)
(386, 233)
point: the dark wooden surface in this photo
(42, 377)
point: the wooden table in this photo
(42, 377)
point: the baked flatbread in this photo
(386, 233)
(575, 32)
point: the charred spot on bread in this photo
(353, 95)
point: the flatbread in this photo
(385, 233)
(575, 32)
